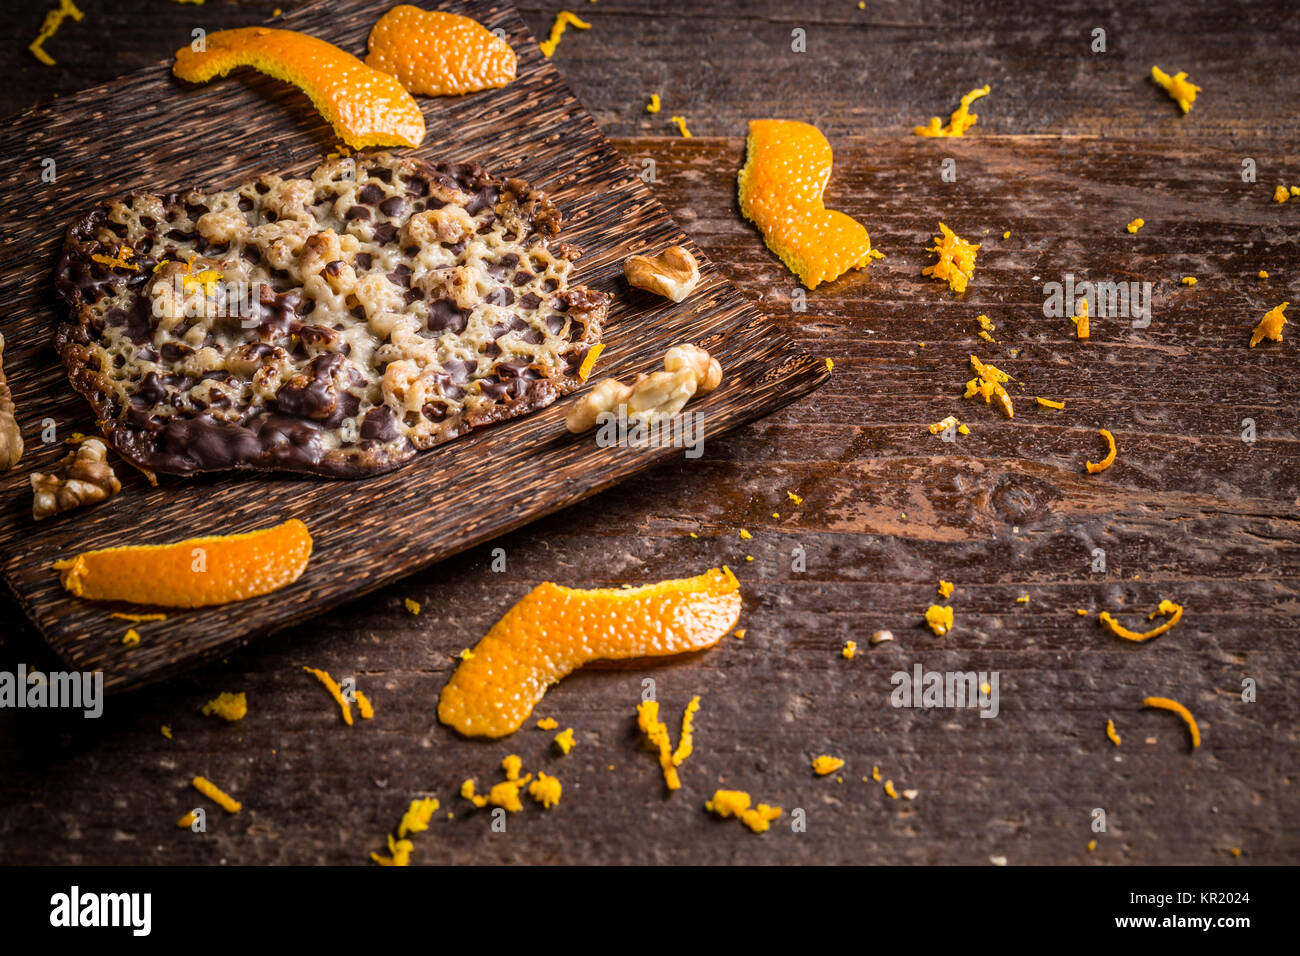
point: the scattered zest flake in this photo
(1263, 274)
(119, 261)
(1136, 224)
(739, 634)
(656, 735)
(1097, 467)
(412, 605)
(1270, 326)
(589, 362)
(889, 789)
(849, 649)
(1281, 194)
(186, 821)
(943, 425)
(939, 619)
(1169, 608)
(1179, 89)
(414, 820)
(1111, 734)
(1189, 280)
(961, 120)
(167, 731)
(562, 19)
(138, 618)
(1164, 703)
(956, 257)
(336, 692)
(564, 739)
(680, 123)
(987, 384)
(826, 764)
(1048, 403)
(1081, 326)
(793, 497)
(364, 707)
(506, 793)
(214, 793)
(547, 723)
(745, 535)
(53, 20)
(653, 105)
(736, 803)
(227, 706)
(830, 365)
(545, 790)
(132, 636)
(946, 588)
(1023, 599)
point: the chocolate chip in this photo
(356, 212)
(445, 316)
(380, 424)
(385, 232)
(370, 194)
(393, 206)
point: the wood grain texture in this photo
(486, 483)
(1193, 512)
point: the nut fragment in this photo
(879, 637)
(673, 273)
(86, 478)
(11, 438)
(605, 396)
(707, 369)
(688, 371)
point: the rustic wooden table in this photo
(1070, 146)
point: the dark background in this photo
(1070, 146)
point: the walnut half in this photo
(84, 478)
(11, 437)
(688, 371)
(673, 273)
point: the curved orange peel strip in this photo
(439, 54)
(787, 166)
(1100, 466)
(554, 630)
(214, 793)
(336, 691)
(1111, 733)
(366, 107)
(1165, 703)
(1175, 612)
(196, 572)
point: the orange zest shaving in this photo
(961, 119)
(439, 54)
(1048, 403)
(1165, 703)
(1136, 224)
(227, 706)
(656, 734)
(331, 685)
(736, 803)
(214, 793)
(787, 166)
(366, 107)
(1082, 328)
(1174, 611)
(1270, 326)
(554, 630)
(826, 764)
(987, 384)
(1179, 89)
(193, 573)
(956, 256)
(1100, 466)
(49, 26)
(562, 19)
(589, 360)
(364, 707)
(680, 123)
(1111, 734)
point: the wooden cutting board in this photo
(149, 132)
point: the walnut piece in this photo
(85, 478)
(673, 273)
(11, 438)
(688, 371)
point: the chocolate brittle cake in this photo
(336, 324)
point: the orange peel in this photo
(197, 572)
(554, 630)
(956, 259)
(1165, 703)
(366, 107)
(1174, 612)
(787, 166)
(439, 54)
(1096, 467)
